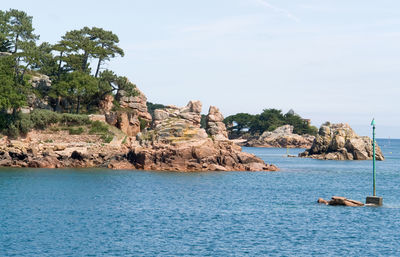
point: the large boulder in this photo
(136, 104)
(132, 116)
(106, 104)
(173, 124)
(215, 124)
(340, 142)
(282, 137)
(42, 84)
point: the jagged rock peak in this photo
(215, 125)
(133, 115)
(189, 114)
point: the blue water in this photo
(135, 213)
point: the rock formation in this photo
(178, 124)
(200, 155)
(42, 84)
(106, 104)
(282, 137)
(132, 116)
(137, 104)
(176, 142)
(340, 142)
(341, 201)
(215, 124)
(87, 151)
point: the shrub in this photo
(143, 124)
(15, 125)
(124, 141)
(74, 119)
(12, 131)
(98, 127)
(107, 138)
(43, 118)
(25, 124)
(76, 131)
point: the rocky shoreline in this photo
(197, 156)
(173, 141)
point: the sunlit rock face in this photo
(340, 142)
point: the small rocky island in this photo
(340, 142)
(282, 137)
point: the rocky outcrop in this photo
(340, 201)
(177, 142)
(200, 155)
(215, 124)
(132, 116)
(136, 104)
(42, 84)
(127, 122)
(106, 105)
(340, 142)
(282, 137)
(174, 124)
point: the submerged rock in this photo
(340, 142)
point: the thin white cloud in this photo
(231, 25)
(278, 10)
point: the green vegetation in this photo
(203, 121)
(75, 66)
(76, 131)
(68, 63)
(143, 124)
(152, 107)
(20, 124)
(101, 129)
(98, 127)
(107, 138)
(268, 120)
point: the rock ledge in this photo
(342, 201)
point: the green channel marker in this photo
(375, 200)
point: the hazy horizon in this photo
(329, 60)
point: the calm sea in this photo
(135, 213)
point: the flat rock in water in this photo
(342, 201)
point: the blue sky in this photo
(335, 60)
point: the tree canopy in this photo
(267, 120)
(16, 27)
(68, 64)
